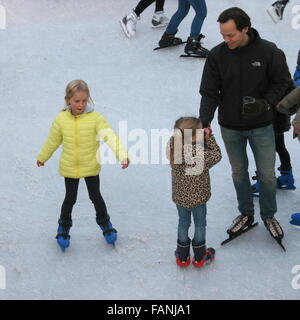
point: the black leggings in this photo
(93, 186)
(284, 155)
(143, 4)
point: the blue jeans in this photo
(183, 8)
(199, 216)
(262, 143)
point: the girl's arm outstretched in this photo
(53, 141)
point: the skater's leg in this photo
(236, 143)
(184, 223)
(199, 216)
(178, 16)
(159, 5)
(141, 6)
(93, 186)
(201, 11)
(71, 186)
(285, 2)
(284, 156)
(262, 143)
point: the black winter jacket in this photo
(258, 70)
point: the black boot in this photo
(182, 253)
(202, 256)
(169, 40)
(199, 250)
(193, 47)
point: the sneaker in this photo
(274, 228)
(159, 19)
(208, 257)
(239, 224)
(128, 24)
(276, 11)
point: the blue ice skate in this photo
(63, 237)
(255, 189)
(286, 180)
(109, 233)
(295, 220)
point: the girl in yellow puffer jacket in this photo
(78, 128)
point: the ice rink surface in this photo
(48, 43)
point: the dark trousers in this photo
(284, 155)
(93, 186)
(143, 4)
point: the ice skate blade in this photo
(159, 26)
(281, 245)
(295, 226)
(175, 45)
(232, 237)
(272, 13)
(191, 56)
(286, 187)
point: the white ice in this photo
(46, 44)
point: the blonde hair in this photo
(181, 124)
(76, 86)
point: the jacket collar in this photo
(88, 109)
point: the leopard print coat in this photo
(190, 189)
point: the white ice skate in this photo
(276, 11)
(159, 19)
(128, 24)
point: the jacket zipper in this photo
(77, 147)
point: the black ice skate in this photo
(243, 223)
(182, 253)
(194, 48)
(275, 230)
(168, 40)
(276, 11)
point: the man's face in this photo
(232, 36)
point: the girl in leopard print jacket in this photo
(191, 153)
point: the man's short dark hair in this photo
(236, 14)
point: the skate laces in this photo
(274, 227)
(238, 223)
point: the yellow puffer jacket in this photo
(79, 136)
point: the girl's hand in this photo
(125, 163)
(207, 132)
(39, 163)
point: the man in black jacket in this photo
(245, 76)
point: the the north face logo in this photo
(256, 64)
